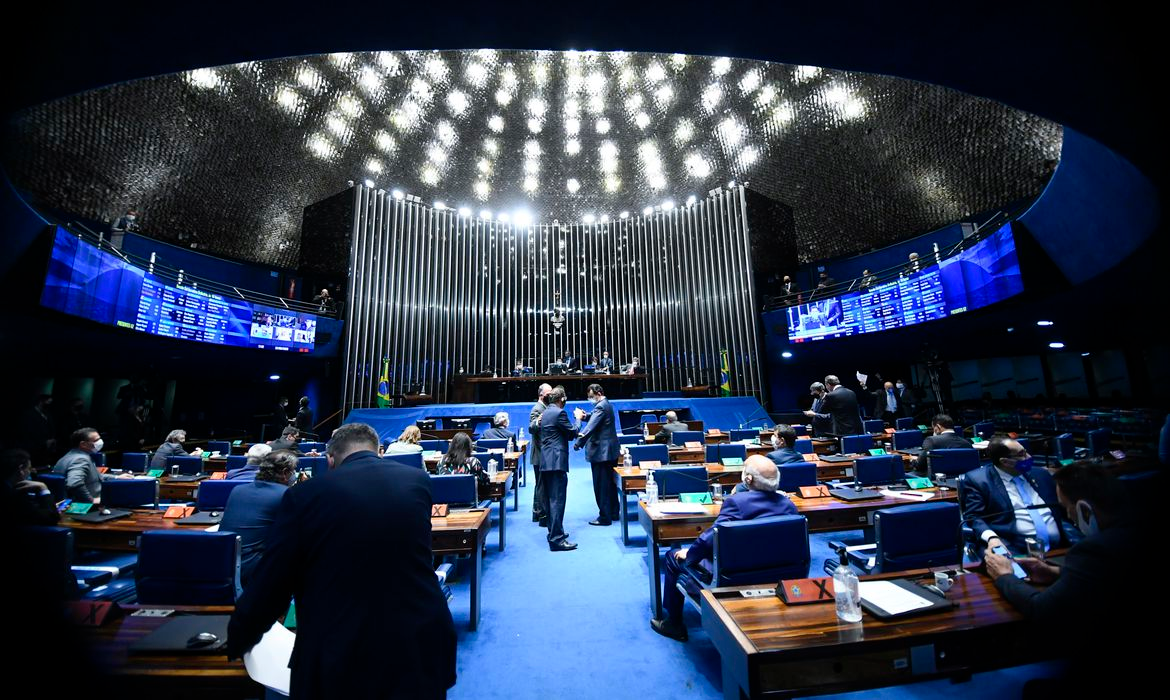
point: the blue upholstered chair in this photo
(1097, 441)
(884, 469)
(905, 423)
(648, 418)
(135, 461)
(491, 444)
(675, 480)
(188, 464)
(630, 439)
(921, 535)
(408, 459)
(804, 446)
(130, 493)
(54, 482)
(99, 459)
(1064, 446)
(309, 446)
(795, 474)
(212, 494)
(435, 445)
(800, 430)
(455, 489)
(745, 434)
(953, 461)
(221, 446)
(236, 462)
(730, 451)
(47, 553)
(763, 550)
(984, 429)
(316, 466)
(874, 426)
(684, 436)
(907, 439)
(188, 567)
(856, 444)
(649, 453)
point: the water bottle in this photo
(492, 470)
(511, 444)
(846, 592)
(652, 490)
(627, 461)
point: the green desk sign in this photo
(923, 428)
(976, 440)
(426, 454)
(290, 620)
(703, 497)
(1066, 462)
(79, 508)
(877, 451)
(919, 483)
(155, 473)
(237, 443)
(732, 461)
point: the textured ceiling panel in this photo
(224, 159)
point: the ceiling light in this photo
(485, 214)
(605, 218)
(439, 206)
(274, 377)
(573, 185)
(721, 65)
(397, 194)
(647, 211)
(503, 217)
(464, 212)
(667, 205)
(522, 218)
(625, 215)
(1085, 354)
(1044, 323)
(369, 183)
(786, 354)
(691, 200)
(588, 219)
(1056, 345)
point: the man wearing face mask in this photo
(599, 438)
(1005, 501)
(783, 438)
(128, 222)
(83, 483)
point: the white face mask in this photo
(900, 386)
(1086, 519)
(97, 446)
(775, 443)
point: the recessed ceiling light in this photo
(1056, 345)
(1044, 323)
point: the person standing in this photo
(83, 483)
(539, 514)
(888, 406)
(569, 361)
(251, 508)
(555, 432)
(351, 606)
(840, 406)
(280, 416)
(127, 223)
(599, 438)
(304, 419)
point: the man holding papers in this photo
(759, 501)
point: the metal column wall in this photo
(437, 293)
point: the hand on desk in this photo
(1039, 572)
(997, 565)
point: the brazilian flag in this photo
(384, 384)
(724, 374)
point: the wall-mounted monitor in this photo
(84, 281)
(985, 273)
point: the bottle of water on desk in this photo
(492, 468)
(846, 591)
(651, 489)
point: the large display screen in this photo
(85, 281)
(987, 272)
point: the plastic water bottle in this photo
(492, 472)
(846, 592)
(652, 490)
(628, 460)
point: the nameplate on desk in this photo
(428, 454)
(877, 452)
(810, 458)
(218, 475)
(79, 508)
(918, 482)
(692, 444)
(155, 473)
(976, 440)
(439, 510)
(103, 470)
(805, 590)
(649, 464)
(890, 431)
(818, 491)
(1117, 454)
(92, 613)
(179, 511)
(923, 428)
(732, 461)
(697, 497)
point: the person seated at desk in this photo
(635, 367)
(569, 361)
(605, 364)
(251, 508)
(499, 429)
(942, 437)
(255, 453)
(783, 438)
(173, 447)
(518, 369)
(671, 425)
(83, 482)
(24, 501)
(459, 460)
(407, 442)
(998, 500)
(289, 437)
(759, 501)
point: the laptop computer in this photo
(204, 517)
(189, 634)
(851, 494)
(188, 478)
(836, 458)
(98, 516)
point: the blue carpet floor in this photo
(576, 624)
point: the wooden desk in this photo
(769, 649)
(473, 389)
(461, 532)
(163, 675)
(824, 515)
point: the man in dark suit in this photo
(499, 429)
(319, 551)
(840, 407)
(599, 438)
(539, 515)
(996, 499)
(569, 361)
(605, 364)
(789, 291)
(555, 433)
(887, 405)
(671, 426)
(172, 447)
(822, 424)
(289, 437)
(783, 438)
(759, 501)
(943, 437)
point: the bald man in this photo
(759, 501)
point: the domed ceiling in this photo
(224, 159)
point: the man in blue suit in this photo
(999, 500)
(353, 546)
(555, 432)
(783, 438)
(599, 437)
(759, 501)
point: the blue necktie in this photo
(1025, 489)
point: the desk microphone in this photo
(751, 417)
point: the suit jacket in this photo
(841, 406)
(570, 362)
(165, 451)
(497, 434)
(945, 441)
(353, 546)
(83, 483)
(534, 430)
(879, 403)
(785, 455)
(555, 433)
(987, 505)
(605, 364)
(747, 505)
(599, 436)
(282, 444)
(666, 432)
(250, 510)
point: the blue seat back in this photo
(905, 423)
(188, 567)
(54, 482)
(455, 489)
(763, 550)
(855, 444)
(630, 439)
(316, 466)
(1098, 441)
(187, 464)
(1065, 446)
(731, 451)
(908, 439)
(1025, 443)
(649, 453)
(884, 469)
(984, 429)
(648, 418)
(804, 446)
(712, 453)
(236, 462)
(800, 430)
(675, 480)
(795, 474)
(874, 426)
(435, 445)
(212, 494)
(99, 459)
(745, 434)
(684, 436)
(407, 459)
(45, 554)
(309, 446)
(130, 493)
(491, 444)
(920, 535)
(221, 446)
(954, 461)
(135, 461)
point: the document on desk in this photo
(267, 662)
(673, 508)
(892, 598)
(908, 495)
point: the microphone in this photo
(751, 416)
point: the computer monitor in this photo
(556, 368)
(459, 423)
(427, 424)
